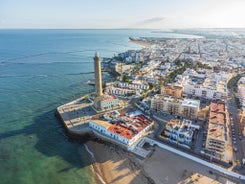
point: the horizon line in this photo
(121, 28)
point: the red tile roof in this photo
(108, 97)
(217, 107)
(129, 129)
(217, 113)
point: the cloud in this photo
(152, 20)
(151, 23)
(2, 21)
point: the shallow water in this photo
(40, 70)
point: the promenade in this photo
(219, 169)
(76, 114)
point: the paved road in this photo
(237, 127)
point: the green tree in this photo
(125, 78)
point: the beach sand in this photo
(165, 167)
(142, 43)
(114, 165)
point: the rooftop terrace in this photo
(107, 97)
(217, 107)
(217, 121)
(130, 126)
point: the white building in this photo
(108, 102)
(127, 89)
(180, 131)
(208, 86)
(127, 131)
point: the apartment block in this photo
(217, 128)
(176, 106)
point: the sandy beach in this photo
(113, 165)
(116, 166)
(142, 43)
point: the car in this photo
(240, 137)
(235, 149)
(234, 139)
(234, 142)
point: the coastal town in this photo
(183, 95)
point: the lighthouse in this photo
(97, 75)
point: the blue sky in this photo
(121, 13)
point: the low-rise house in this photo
(106, 102)
(127, 89)
(180, 131)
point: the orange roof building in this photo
(216, 136)
(171, 90)
(126, 131)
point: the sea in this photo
(39, 71)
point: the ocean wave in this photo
(90, 152)
(95, 167)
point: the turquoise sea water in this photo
(40, 70)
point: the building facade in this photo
(127, 89)
(126, 132)
(180, 131)
(176, 106)
(209, 86)
(217, 129)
